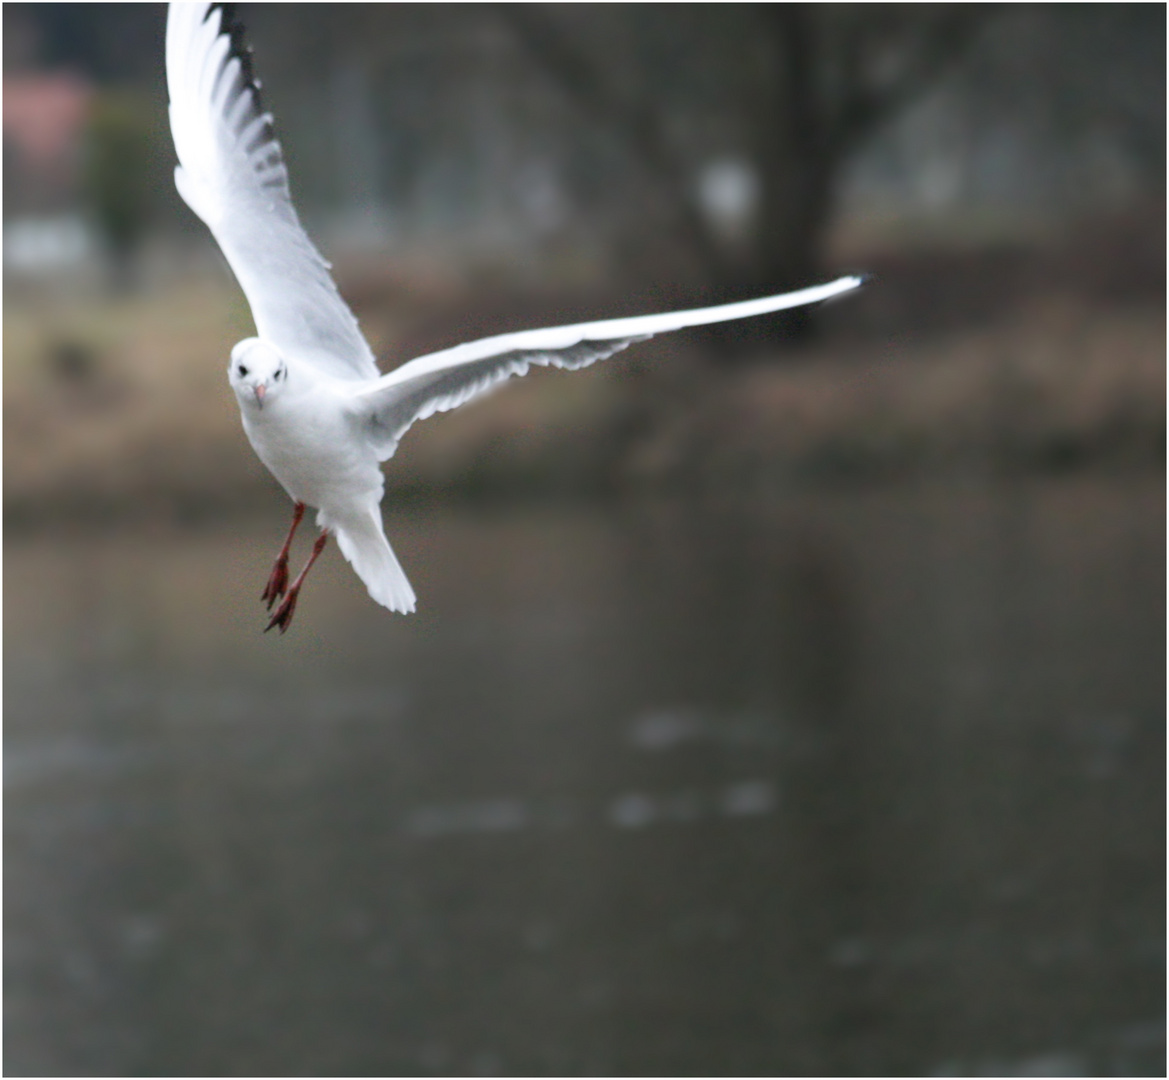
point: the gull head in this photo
(257, 373)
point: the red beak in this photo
(261, 390)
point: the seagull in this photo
(315, 407)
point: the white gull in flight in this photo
(316, 409)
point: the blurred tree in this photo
(832, 75)
(121, 176)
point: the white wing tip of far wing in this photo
(743, 309)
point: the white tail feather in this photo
(364, 544)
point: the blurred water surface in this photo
(855, 782)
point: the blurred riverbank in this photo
(1029, 361)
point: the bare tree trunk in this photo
(826, 94)
(794, 155)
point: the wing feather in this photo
(444, 380)
(231, 172)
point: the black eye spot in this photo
(279, 372)
(243, 370)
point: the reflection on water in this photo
(855, 783)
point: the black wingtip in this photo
(231, 25)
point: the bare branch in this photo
(940, 41)
(636, 125)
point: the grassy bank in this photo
(114, 405)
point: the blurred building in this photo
(45, 117)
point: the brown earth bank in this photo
(988, 361)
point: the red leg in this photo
(283, 615)
(278, 579)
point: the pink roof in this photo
(44, 114)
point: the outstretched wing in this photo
(231, 173)
(447, 379)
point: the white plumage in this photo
(314, 406)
